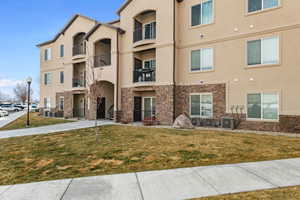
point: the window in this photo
(150, 31)
(62, 51)
(263, 106)
(256, 5)
(149, 64)
(47, 103)
(47, 54)
(202, 13)
(62, 77)
(263, 51)
(61, 103)
(47, 78)
(149, 107)
(202, 59)
(201, 105)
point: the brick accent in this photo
(219, 98)
(289, 123)
(164, 102)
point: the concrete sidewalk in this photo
(174, 184)
(52, 128)
(12, 117)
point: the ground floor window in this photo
(61, 103)
(264, 106)
(47, 103)
(149, 107)
(201, 105)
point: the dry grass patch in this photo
(35, 121)
(125, 149)
(291, 193)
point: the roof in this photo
(102, 24)
(127, 2)
(64, 29)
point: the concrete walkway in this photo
(12, 117)
(51, 128)
(174, 184)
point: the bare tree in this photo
(21, 92)
(95, 89)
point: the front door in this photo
(137, 113)
(101, 108)
(149, 108)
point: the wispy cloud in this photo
(4, 83)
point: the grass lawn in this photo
(291, 193)
(35, 121)
(129, 149)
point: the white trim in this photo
(262, 7)
(143, 105)
(261, 96)
(212, 105)
(261, 55)
(201, 23)
(202, 70)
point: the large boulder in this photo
(183, 122)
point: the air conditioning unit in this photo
(228, 123)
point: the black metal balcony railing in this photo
(79, 50)
(79, 83)
(144, 33)
(102, 60)
(144, 75)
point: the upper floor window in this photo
(62, 77)
(263, 51)
(263, 106)
(201, 105)
(257, 5)
(202, 13)
(202, 59)
(150, 30)
(62, 51)
(47, 54)
(47, 78)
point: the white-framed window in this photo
(263, 106)
(201, 105)
(263, 51)
(62, 50)
(257, 5)
(61, 103)
(47, 104)
(47, 78)
(202, 13)
(47, 54)
(149, 107)
(149, 64)
(149, 31)
(202, 59)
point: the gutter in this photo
(174, 60)
(117, 81)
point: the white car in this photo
(3, 113)
(10, 108)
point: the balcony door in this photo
(149, 107)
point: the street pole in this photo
(29, 80)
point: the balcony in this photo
(102, 60)
(145, 35)
(79, 83)
(144, 75)
(79, 50)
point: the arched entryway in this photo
(103, 104)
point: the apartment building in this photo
(165, 58)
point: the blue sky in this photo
(25, 23)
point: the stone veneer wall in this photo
(164, 103)
(219, 98)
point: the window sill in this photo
(262, 11)
(262, 66)
(201, 25)
(201, 71)
(262, 120)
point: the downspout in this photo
(117, 80)
(174, 59)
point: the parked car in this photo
(22, 107)
(3, 113)
(10, 108)
(34, 108)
